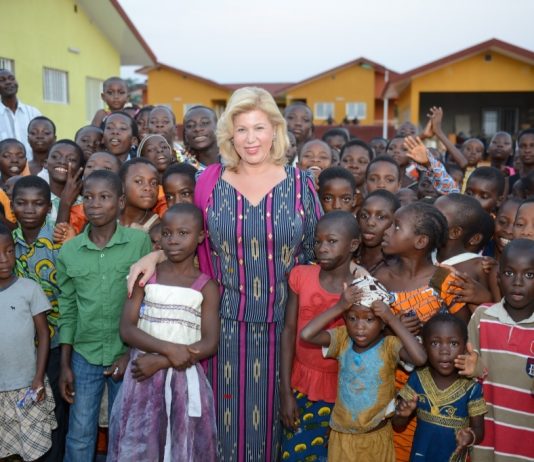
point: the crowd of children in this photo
(409, 337)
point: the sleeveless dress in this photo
(170, 416)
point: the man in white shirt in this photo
(14, 115)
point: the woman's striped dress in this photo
(253, 250)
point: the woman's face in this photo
(253, 137)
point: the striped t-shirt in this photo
(506, 350)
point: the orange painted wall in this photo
(353, 84)
(472, 74)
(176, 90)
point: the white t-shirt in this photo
(18, 304)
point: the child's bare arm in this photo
(146, 365)
(43, 345)
(209, 324)
(178, 355)
(314, 332)
(435, 116)
(403, 413)
(412, 350)
(288, 405)
(474, 434)
(98, 118)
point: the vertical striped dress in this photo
(253, 249)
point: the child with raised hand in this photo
(500, 351)
(26, 401)
(434, 128)
(165, 410)
(419, 288)
(141, 182)
(308, 382)
(375, 217)
(450, 408)
(41, 137)
(367, 358)
(115, 95)
(433, 169)
(399, 153)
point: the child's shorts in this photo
(376, 446)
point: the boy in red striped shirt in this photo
(502, 335)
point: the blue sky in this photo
(233, 41)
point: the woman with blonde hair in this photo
(260, 216)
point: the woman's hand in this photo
(289, 412)
(147, 267)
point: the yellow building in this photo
(62, 50)
(347, 92)
(483, 89)
(180, 90)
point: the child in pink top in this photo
(308, 381)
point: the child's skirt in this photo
(26, 430)
(375, 446)
(168, 417)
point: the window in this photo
(93, 100)
(356, 111)
(55, 86)
(324, 111)
(500, 119)
(7, 64)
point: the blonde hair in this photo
(248, 99)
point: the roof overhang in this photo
(114, 23)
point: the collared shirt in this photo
(93, 291)
(37, 262)
(506, 354)
(16, 125)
